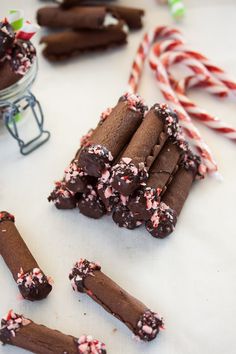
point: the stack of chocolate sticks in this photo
(86, 26)
(135, 165)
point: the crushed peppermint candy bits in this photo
(62, 197)
(31, 281)
(87, 277)
(80, 271)
(149, 326)
(24, 333)
(87, 345)
(33, 284)
(135, 102)
(10, 325)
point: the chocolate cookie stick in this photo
(61, 45)
(32, 282)
(78, 17)
(159, 123)
(21, 332)
(111, 137)
(146, 199)
(132, 16)
(163, 221)
(87, 277)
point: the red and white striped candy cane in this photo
(177, 43)
(211, 121)
(143, 51)
(215, 70)
(201, 78)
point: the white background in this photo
(189, 278)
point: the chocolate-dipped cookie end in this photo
(80, 271)
(127, 177)
(62, 197)
(5, 216)
(162, 222)
(148, 326)
(33, 285)
(94, 158)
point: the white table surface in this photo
(189, 277)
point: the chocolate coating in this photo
(143, 203)
(33, 287)
(128, 176)
(108, 195)
(62, 197)
(76, 179)
(31, 281)
(123, 217)
(90, 204)
(94, 159)
(163, 222)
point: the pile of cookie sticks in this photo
(145, 177)
(85, 26)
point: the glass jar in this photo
(16, 103)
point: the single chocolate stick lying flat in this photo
(78, 17)
(23, 333)
(111, 137)
(159, 123)
(87, 277)
(61, 45)
(146, 200)
(163, 221)
(31, 281)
